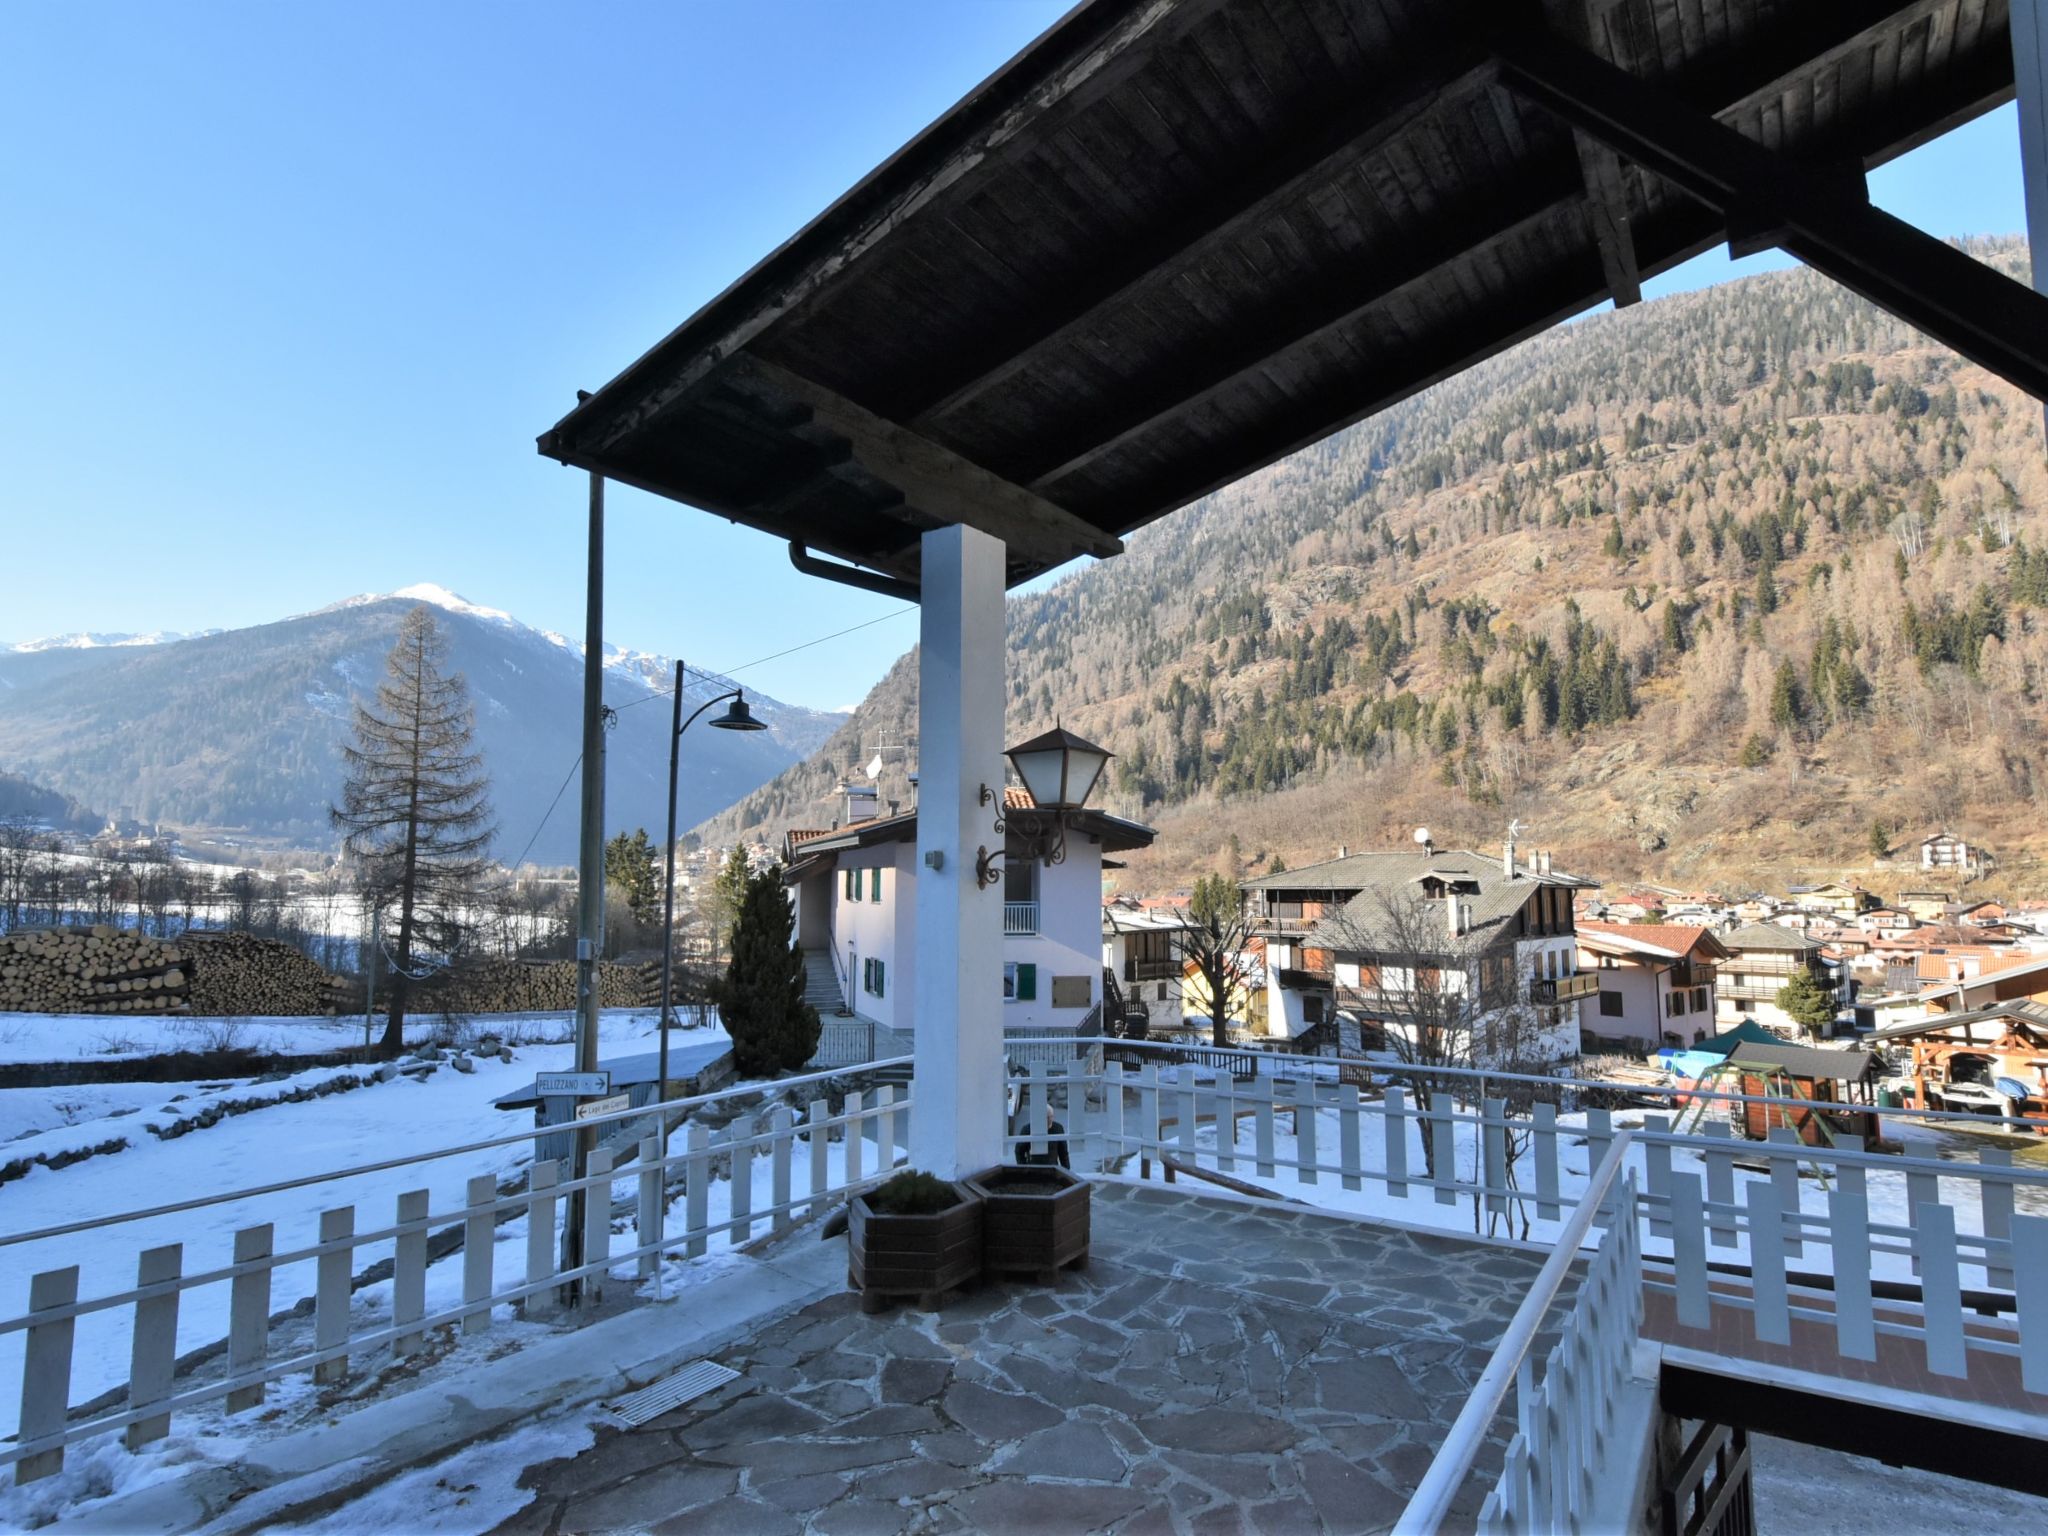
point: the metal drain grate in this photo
(692, 1381)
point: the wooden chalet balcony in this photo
(1565, 989)
(1151, 970)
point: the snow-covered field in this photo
(281, 1141)
(88, 1037)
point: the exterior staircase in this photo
(821, 984)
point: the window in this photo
(1020, 982)
(871, 977)
(853, 885)
(1699, 999)
(1162, 992)
(1610, 1004)
(1674, 1004)
(875, 889)
(1020, 878)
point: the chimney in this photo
(860, 802)
(1507, 857)
(1454, 914)
(1343, 852)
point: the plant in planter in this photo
(915, 1235)
(1034, 1220)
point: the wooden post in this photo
(479, 1233)
(540, 1234)
(331, 1292)
(409, 1268)
(46, 1371)
(249, 1315)
(153, 1353)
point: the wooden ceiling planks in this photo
(1180, 237)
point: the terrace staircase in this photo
(821, 984)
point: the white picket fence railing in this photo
(1564, 1424)
(765, 1131)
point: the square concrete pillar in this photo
(958, 1122)
(2030, 81)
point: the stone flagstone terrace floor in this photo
(1220, 1367)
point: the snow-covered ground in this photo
(88, 1036)
(281, 1141)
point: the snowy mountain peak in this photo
(431, 593)
(88, 641)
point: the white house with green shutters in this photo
(855, 886)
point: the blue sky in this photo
(290, 290)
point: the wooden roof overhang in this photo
(1175, 240)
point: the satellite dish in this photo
(1422, 836)
(874, 769)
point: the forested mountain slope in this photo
(1700, 589)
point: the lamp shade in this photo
(1059, 768)
(738, 717)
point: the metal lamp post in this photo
(737, 717)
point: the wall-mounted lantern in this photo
(1060, 770)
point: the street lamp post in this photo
(736, 718)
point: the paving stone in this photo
(912, 1381)
(1240, 1477)
(898, 1419)
(730, 1517)
(1223, 1520)
(1346, 1496)
(906, 1343)
(753, 1418)
(953, 1448)
(1218, 1431)
(652, 1496)
(1032, 1509)
(1079, 1451)
(1090, 1332)
(859, 1517)
(997, 1416)
(1285, 1517)
(794, 1458)
(836, 1365)
(1065, 1387)
(798, 1493)
(918, 1479)
(1372, 1385)
(614, 1457)
(1156, 1520)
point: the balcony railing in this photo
(1020, 918)
(1565, 989)
(1151, 970)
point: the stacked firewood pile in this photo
(240, 974)
(91, 970)
(544, 986)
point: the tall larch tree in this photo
(415, 805)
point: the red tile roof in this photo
(1678, 937)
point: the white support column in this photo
(958, 1087)
(2030, 79)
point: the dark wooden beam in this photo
(1104, 46)
(1607, 200)
(935, 482)
(1275, 181)
(1987, 317)
(1271, 340)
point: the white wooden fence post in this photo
(1349, 1157)
(153, 1353)
(740, 1133)
(1543, 1142)
(1657, 1167)
(1849, 1240)
(892, 1127)
(1113, 1110)
(647, 1209)
(1493, 1163)
(479, 1238)
(46, 1371)
(540, 1235)
(1443, 1144)
(409, 1268)
(816, 1114)
(853, 1137)
(779, 1150)
(697, 1190)
(1184, 1116)
(1307, 1116)
(1148, 1111)
(331, 1291)
(1689, 1252)
(1720, 1183)
(1396, 1111)
(1226, 1123)
(1773, 1319)
(1997, 1197)
(1785, 1180)
(1941, 1289)
(2030, 1297)
(249, 1314)
(1040, 1117)
(597, 1226)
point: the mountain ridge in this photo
(1697, 589)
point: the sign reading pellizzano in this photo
(581, 1085)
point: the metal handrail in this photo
(1430, 1506)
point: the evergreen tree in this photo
(1880, 838)
(415, 809)
(723, 898)
(1810, 1005)
(1788, 699)
(629, 867)
(1277, 867)
(1674, 629)
(762, 1002)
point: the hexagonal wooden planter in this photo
(1034, 1220)
(891, 1257)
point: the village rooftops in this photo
(1357, 871)
(1115, 833)
(1808, 1061)
(1490, 899)
(2033, 1015)
(1666, 941)
(1769, 936)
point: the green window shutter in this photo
(1027, 983)
(881, 976)
(875, 888)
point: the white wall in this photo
(1069, 938)
(869, 929)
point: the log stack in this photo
(544, 986)
(238, 974)
(99, 969)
